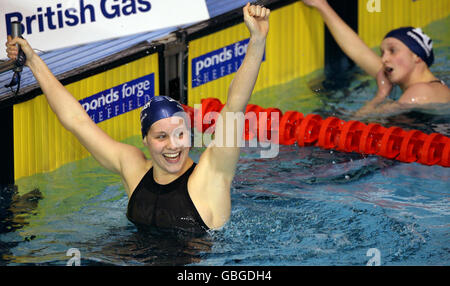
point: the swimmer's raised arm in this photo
(217, 165)
(349, 41)
(69, 111)
(256, 19)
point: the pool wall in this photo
(295, 48)
(373, 26)
(41, 143)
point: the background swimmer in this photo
(206, 184)
(406, 55)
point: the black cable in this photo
(14, 81)
(20, 62)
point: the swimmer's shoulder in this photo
(426, 93)
(132, 155)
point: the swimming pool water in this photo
(306, 206)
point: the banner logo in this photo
(219, 63)
(54, 24)
(51, 18)
(120, 99)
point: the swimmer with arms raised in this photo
(406, 55)
(168, 190)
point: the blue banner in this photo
(219, 63)
(120, 99)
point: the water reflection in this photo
(16, 209)
(151, 246)
(14, 213)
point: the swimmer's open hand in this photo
(256, 19)
(12, 51)
(384, 84)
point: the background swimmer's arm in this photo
(379, 104)
(375, 105)
(416, 96)
(108, 152)
(389, 107)
(349, 41)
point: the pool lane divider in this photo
(332, 133)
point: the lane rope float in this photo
(331, 133)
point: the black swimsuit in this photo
(438, 80)
(164, 206)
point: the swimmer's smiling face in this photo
(168, 142)
(398, 60)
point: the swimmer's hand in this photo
(12, 51)
(256, 19)
(378, 104)
(384, 84)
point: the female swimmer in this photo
(406, 56)
(168, 190)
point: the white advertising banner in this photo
(54, 24)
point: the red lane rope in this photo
(331, 133)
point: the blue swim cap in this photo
(159, 107)
(416, 41)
